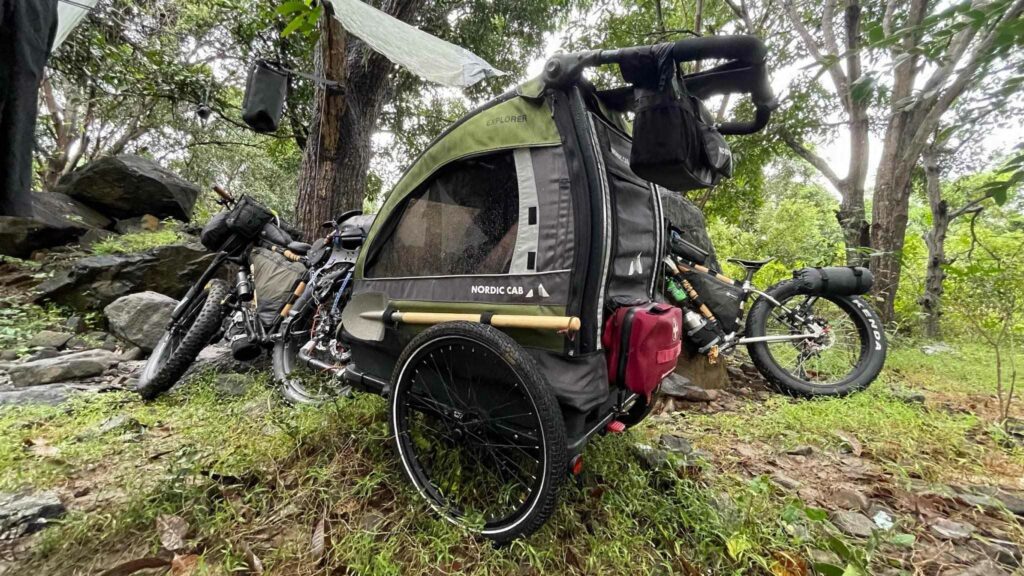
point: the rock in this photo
(75, 324)
(232, 384)
(1002, 551)
(1013, 502)
(120, 422)
(25, 513)
(8, 355)
(950, 530)
(676, 444)
(49, 339)
(140, 318)
(852, 523)
(802, 450)
(93, 339)
(94, 237)
(125, 186)
(909, 396)
(218, 358)
(650, 457)
(43, 354)
(882, 519)
(70, 367)
(44, 394)
(144, 223)
(93, 282)
(680, 387)
(785, 481)
(850, 499)
(937, 348)
(56, 220)
(983, 568)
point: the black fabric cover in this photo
(839, 280)
(265, 92)
(580, 383)
(216, 231)
(27, 29)
(274, 278)
(688, 218)
(723, 299)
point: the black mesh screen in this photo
(462, 221)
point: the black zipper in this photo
(624, 338)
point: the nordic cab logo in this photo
(507, 119)
(497, 290)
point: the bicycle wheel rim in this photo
(416, 420)
(832, 360)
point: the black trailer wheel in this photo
(477, 430)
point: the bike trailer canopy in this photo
(525, 206)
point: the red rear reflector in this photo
(577, 465)
(615, 427)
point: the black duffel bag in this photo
(838, 280)
(216, 231)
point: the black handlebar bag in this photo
(675, 143)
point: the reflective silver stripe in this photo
(659, 227)
(526, 236)
(606, 212)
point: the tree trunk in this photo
(338, 151)
(888, 227)
(318, 175)
(935, 239)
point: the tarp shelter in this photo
(69, 15)
(27, 31)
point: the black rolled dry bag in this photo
(838, 280)
(247, 217)
(216, 231)
(265, 92)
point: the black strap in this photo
(485, 317)
(310, 77)
(824, 279)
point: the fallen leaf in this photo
(253, 562)
(851, 442)
(788, 565)
(133, 566)
(184, 565)
(173, 530)
(41, 447)
(318, 542)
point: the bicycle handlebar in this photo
(745, 73)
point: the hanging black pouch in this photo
(265, 92)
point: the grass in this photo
(253, 476)
(19, 321)
(137, 241)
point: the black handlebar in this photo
(745, 73)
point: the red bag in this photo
(642, 344)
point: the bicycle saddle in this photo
(299, 248)
(750, 264)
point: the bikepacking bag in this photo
(675, 143)
(265, 91)
(216, 231)
(838, 280)
(247, 217)
(642, 344)
(274, 279)
(723, 299)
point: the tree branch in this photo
(811, 158)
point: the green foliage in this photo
(19, 321)
(137, 241)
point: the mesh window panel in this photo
(462, 221)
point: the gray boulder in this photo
(93, 282)
(126, 186)
(57, 220)
(23, 513)
(140, 318)
(49, 339)
(66, 368)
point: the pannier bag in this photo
(642, 344)
(274, 279)
(675, 143)
(721, 298)
(248, 217)
(216, 231)
(838, 280)
(265, 91)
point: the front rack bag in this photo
(248, 217)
